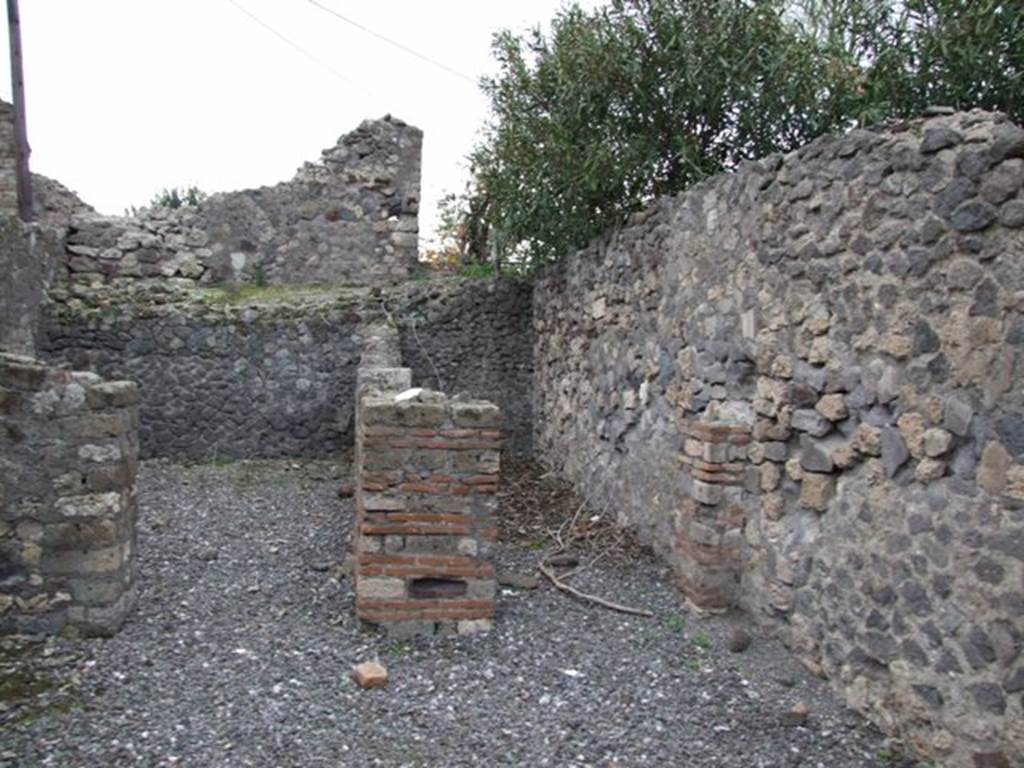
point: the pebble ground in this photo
(240, 650)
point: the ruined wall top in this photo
(350, 217)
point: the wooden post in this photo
(20, 132)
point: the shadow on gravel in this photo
(240, 650)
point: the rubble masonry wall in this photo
(68, 457)
(803, 382)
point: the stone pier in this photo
(68, 459)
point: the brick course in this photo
(427, 470)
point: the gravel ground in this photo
(240, 650)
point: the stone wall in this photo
(271, 371)
(8, 162)
(350, 218)
(802, 382)
(472, 336)
(27, 258)
(221, 375)
(68, 452)
(426, 496)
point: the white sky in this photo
(126, 97)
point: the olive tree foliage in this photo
(641, 98)
(913, 53)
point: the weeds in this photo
(702, 640)
(676, 623)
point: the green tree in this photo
(645, 97)
(175, 197)
(913, 53)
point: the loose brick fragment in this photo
(370, 674)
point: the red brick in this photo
(424, 517)
(381, 477)
(460, 433)
(414, 604)
(430, 614)
(429, 529)
(718, 433)
(705, 596)
(414, 529)
(480, 480)
(710, 466)
(413, 571)
(422, 560)
(701, 554)
(379, 431)
(717, 478)
(415, 487)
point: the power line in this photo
(395, 43)
(312, 57)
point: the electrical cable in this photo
(312, 57)
(394, 43)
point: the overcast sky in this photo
(126, 97)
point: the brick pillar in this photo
(426, 496)
(709, 524)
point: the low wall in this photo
(802, 382)
(68, 452)
(271, 371)
(222, 376)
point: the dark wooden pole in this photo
(20, 132)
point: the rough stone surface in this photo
(28, 258)
(68, 457)
(801, 382)
(474, 337)
(715, 304)
(224, 377)
(351, 217)
(271, 372)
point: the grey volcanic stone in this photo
(989, 696)
(973, 216)
(939, 138)
(815, 456)
(254, 675)
(957, 416)
(810, 421)
(1008, 141)
(1012, 214)
(894, 450)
